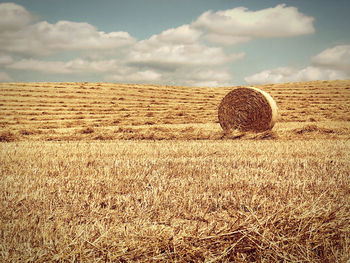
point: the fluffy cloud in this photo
(201, 76)
(13, 17)
(170, 57)
(180, 35)
(207, 77)
(336, 58)
(175, 56)
(43, 38)
(146, 76)
(178, 47)
(330, 64)
(178, 56)
(289, 74)
(183, 76)
(70, 67)
(240, 25)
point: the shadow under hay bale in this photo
(247, 109)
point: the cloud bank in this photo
(195, 54)
(237, 25)
(13, 17)
(330, 64)
(177, 55)
(70, 67)
(18, 35)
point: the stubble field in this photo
(120, 173)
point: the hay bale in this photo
(247, 109)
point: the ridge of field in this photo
(77, 111)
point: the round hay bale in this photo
(247, 109)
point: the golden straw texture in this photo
(247, 109)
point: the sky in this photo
(174, 42)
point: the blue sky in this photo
(175, 42)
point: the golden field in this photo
(104, 111)
(100, 172)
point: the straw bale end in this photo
(247, 109)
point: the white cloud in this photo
(176, 56)
(43, 38)
(13, 17)
(181, 35)
(289, 74)
(4, 77)
(226, 39)
(180, 58)
(207, 77)
(173, 56)
(330, 64)
(148, 61)
(337, 58)
(177, 47)
(61, 67)
(200, 76)
(240, 25)
(66, 35)
(146, 76)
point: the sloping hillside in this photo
(74, 111)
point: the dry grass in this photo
(261, 201)
(99, 172)
(62, 111)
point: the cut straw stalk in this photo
(247, 109)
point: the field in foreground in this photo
(96, 172)
(124, 201)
